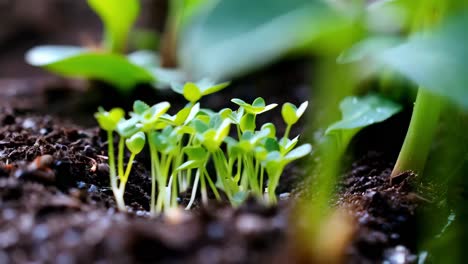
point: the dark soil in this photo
(385, 212)
(57, 207)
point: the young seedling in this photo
(291, 115)
(183, 145)
(193, 92)
(135, 145)
(108, 121)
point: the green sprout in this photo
(182, 146)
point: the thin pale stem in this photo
(194, 190)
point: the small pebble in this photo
(249, 224)
(284, 196)
(40, 232)
(93, 189)
(28, 123)
(80, 185)
(215, 231)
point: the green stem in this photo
(120, 158)
(110, 150)
(212, 185)
(112, 172)
(153, 156)
(423, 125)
(124, 179)
(272, 183)
(288, 130)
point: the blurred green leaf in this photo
(436, 61)
(150, 61)
(118, 17)
(368, 48)
(298, 153)
(359, 112)
(77, 62)
(240, 35)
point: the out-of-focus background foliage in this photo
(25, 24)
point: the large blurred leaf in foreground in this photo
(437, 61)
(236, 36)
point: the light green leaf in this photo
(76, 62)
(128, 127)
(197, 153)
(298, 153)
(207, 86)
(359, 112)
(149, 117)
(139, 107)
(191, 92)
(118, 17)
(271, 128)
(109, 120)
(247, 123)
(257, 107)
(289, 113)
(136, 143)
(287, 144)
(368, 48)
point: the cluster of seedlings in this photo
(245, 157)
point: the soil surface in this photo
(56, 206)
